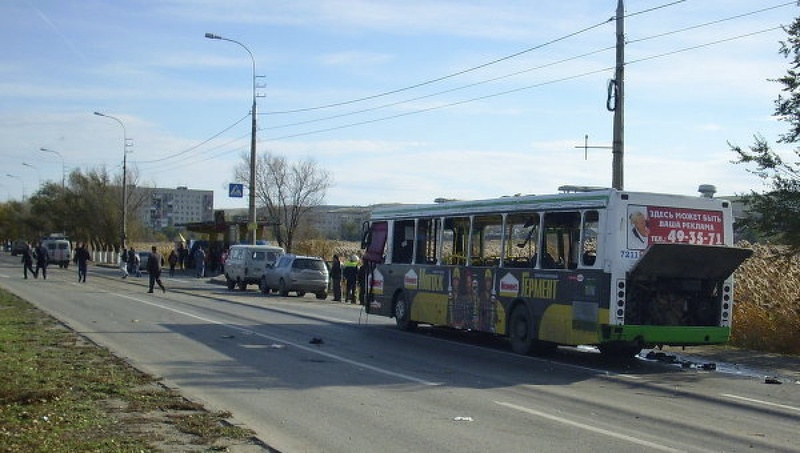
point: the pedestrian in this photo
(42, 259)
(350, 273)
(154, 264)
(172, 259)
(336, 278)
(82, 259)
(27, 261)
(131, 257)
(123, 262)
(200, 262)
(136, 260)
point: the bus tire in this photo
(521, 332)
(402, 313)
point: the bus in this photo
(618, 270)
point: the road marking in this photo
(765, 403)
(313, 350)
(594, 429)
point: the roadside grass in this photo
(60, 392)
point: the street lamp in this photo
(63, 167)
(124, 176)
(38, 174)
(253, 224)
(20, 180)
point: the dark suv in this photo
(301, 274)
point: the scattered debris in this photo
(463, 419)
(316, 340)
(772, 380)
(228, 336)
(277, 346)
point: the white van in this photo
(245, 264)
(59, 250)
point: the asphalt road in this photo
(367, 387)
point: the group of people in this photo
(37, 254)
(353, 274)
(131, 262)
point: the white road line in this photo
(296, 345)
(594, 429)
(765, 403)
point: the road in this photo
(369, 387)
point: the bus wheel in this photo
(402, 313)
(520, 330)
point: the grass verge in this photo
(60, 392)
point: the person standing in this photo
(350, 273)
(123, 263)
(154, 269)
(172, 259)
(42, 259)
(82, 259)
(27, 261)
(136, 267)
(200, 262)
(336, 278)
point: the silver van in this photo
(59, 250)
(245, 264)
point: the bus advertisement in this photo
(615, 269)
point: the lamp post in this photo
(253, 223)
(38, 174)
(124, 231)
(21, 181)
(63, 167)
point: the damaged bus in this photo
(616, 269)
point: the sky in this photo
(400, 101)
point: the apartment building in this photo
(163, 207)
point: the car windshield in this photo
(303, 263)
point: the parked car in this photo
(18, 247)
(143, 258)
(301, 274)
(246, 263)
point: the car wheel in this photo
(282, 288)
(242, 285)
(322, 295)
(263, 286)
(231, 283)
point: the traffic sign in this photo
(235, 190)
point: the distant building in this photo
(338, 222)
(162, 208)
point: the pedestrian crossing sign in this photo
(235, 190)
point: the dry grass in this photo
(59, 392)
(766, 316)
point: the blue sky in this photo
(430, 99)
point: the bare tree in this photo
(286, 190)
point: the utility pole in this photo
(618, 146)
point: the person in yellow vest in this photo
(350, 272)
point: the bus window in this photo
(591, 224)
(522, 237)
(560, 240)
(454, 240)
(425, 241)
(485, 243)
(403, 242)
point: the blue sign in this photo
(236, 190)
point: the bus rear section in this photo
(672, 272)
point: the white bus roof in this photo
(593, 199)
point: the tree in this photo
(287, 191)
(777, 211)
